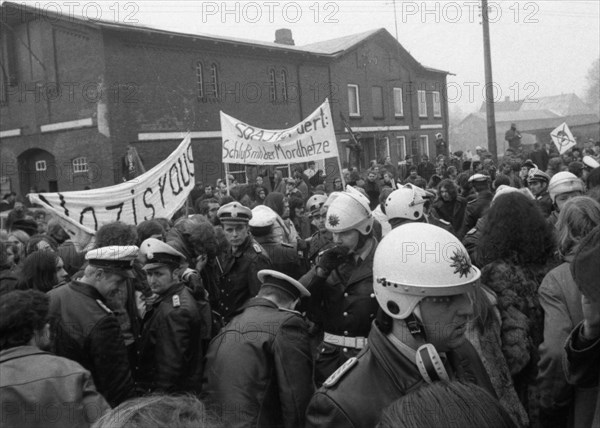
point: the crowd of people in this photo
(450, 292)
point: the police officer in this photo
(242, 261)
(284, 257)
(85, 330)
(537, 181)
(169, 350)
(405, 204)
(341, 283)
(479, 206)
(317, 211)
(259, 368)
(422, 277)
(562, 187)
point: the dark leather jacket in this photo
(86, 331)
(170, 349)
(259, 368)
(381, 375)
(238, 281)
(39, 389)
(475, 209)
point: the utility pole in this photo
(489, 87)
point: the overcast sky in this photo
(539, 48)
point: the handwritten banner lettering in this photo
(159, 192)
(311, 139)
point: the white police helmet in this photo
(418, 260)
(406, 202)
(564, 182)
(349, 210)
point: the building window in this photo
(401, 144)
(272, 86)
(200, 80)
(284, 86)
(238, 171)
(424, 145)
(353, 101)
(214, 78)
(437, 105)
(422, 103)
(377, 99)
(80, 165)
(40, 165)
(398, 105)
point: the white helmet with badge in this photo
(418, 260)
(349, 210)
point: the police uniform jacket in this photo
(345, 299)
(259, 368)
(358, 393)
(42, 390)
(86, 331)
(170, 350)
(238, 281)
(475, 209)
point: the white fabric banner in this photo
(562, 138)
(311, 139)
(159, 192)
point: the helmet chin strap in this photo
(427, 359)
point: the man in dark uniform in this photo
(85, 330)
(478, 207)
(538, 184)
(170, 350)
(341, 283)
(242, 261)
(284, 257)
(259, 368)
(317, 211)
(425, 308)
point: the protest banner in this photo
(159, 192)
(562, 138)
(311, 139)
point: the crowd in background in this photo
(523, 242)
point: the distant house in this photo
(534, 119)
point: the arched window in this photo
(284, 86)
(272, 86)
(214, 75)
(200, 79)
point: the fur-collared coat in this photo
(522, 325)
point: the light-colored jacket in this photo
(561, 301)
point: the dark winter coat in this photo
(380, 375)
(85, 330)
(259, 368)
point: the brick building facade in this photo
(74, 93)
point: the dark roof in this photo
(328, 48)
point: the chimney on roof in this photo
(283, 36)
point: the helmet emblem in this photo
(333, 220)
(461, 263)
